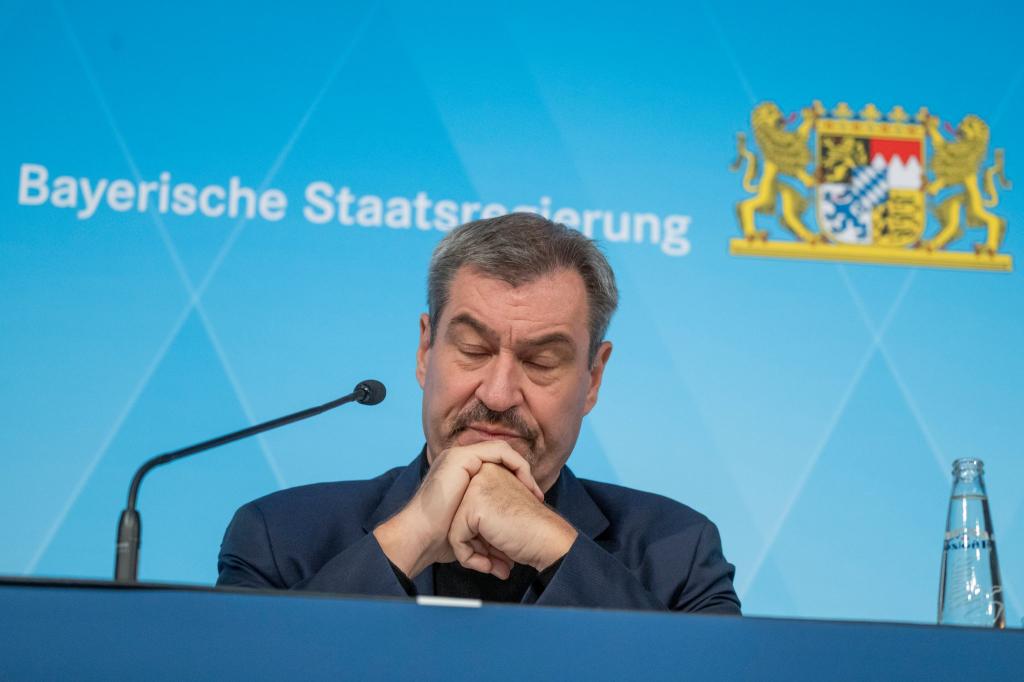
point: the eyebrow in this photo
(474, 324)
(554, 338)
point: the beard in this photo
(481, 415)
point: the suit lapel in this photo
(575, 505)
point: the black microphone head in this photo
(371, 392)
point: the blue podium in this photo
(63, 630)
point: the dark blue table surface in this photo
(63, 631)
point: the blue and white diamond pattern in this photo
(845, 209)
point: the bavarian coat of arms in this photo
(873, 180)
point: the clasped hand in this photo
(478, 505)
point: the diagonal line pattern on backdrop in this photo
(908, 398)
(877, 333)
(167, 242)
(858, 374)
(286, 150)
(112, 432)
(165, 346)
(723, 42)
(195, 294)
(876, 345)
(940, 459)
(1007, 98)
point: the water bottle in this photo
(970, 591)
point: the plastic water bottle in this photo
(970, 591)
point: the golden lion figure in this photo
(956, 164)
(786, 154)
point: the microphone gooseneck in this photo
(129, 527)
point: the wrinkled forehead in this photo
(553, 302)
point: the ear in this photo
(604, 351)
(423, 350)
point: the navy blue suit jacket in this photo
(635, 550)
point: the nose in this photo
(501, 385)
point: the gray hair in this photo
(518, 248)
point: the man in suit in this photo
(510, 358)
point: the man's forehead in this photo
(552, 302)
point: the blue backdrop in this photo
(811, 409)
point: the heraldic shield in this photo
(871, 182)
(874, 187)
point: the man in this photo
(510, 358)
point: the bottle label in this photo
(965, 542)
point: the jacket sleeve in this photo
(708, 588)
(590, 576)
(247, 559)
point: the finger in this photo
(470, 558)
(478, 562)
(479, 546)
(465, 544)
(497, 554)
(498, 452)
(472, 551)
(501, 565)
(531, 487)
(500, 569)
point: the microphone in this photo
(129, 527)
(371, 392)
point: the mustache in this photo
(479, 413)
